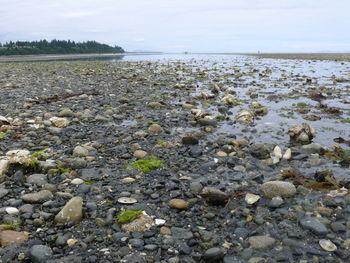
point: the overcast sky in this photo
(184, 25)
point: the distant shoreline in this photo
(44, 57)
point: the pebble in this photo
(37, 179)
(139, 154)
(178, 204)
(59, 122)
(261, 242)
(278, 188)
(40, 253)
(77, 181)
(80, 151)
(38, 197)
(71, 212)
(251, 198)
(155, 129)
(127, 200)
(128, 180)
(8, 237)
(314, 225)
(12, 210)
(213, 255)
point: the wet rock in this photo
(213, 255)
(312, 148)
(40, 253)
(38, 197)
(302, 133)
(245, 116)
(3, 192)
(261, 242)
(207, 122)
(71, 212)
(260, 151)
(314, 225)
(278, 188)
(8, 237)
(189, 140)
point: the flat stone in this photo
(314, 225)
(261, 242)
(278, 188)
(38, 197)
(312, 148)
(12, 210)
(71, 212)
(8, 237)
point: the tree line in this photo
(56, 47)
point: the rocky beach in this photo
(195, 158)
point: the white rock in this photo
(77, 181)
(288, 154)
(277, 152)
(12, 210)
(159, 222)
(251, 198)
(19, 156)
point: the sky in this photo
(184, 25)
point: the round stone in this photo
(40, 253)
(278, 188)
(12, 210)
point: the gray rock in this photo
(260, 151)
(277, 188)
(37, 179)
(314, 225)
(40, 253)
(71, 212)
(181, 233)
(276, 201)
(207, 122)
(38, 197)
(196, 187)
(214, 254)
(312, 148)
(261, 242)
(3, 192)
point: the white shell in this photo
(277, 152)
(77, 181)
(127, 200)
(288, 154)
(251, 198)
(327, 245)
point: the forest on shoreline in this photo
(56, 47)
